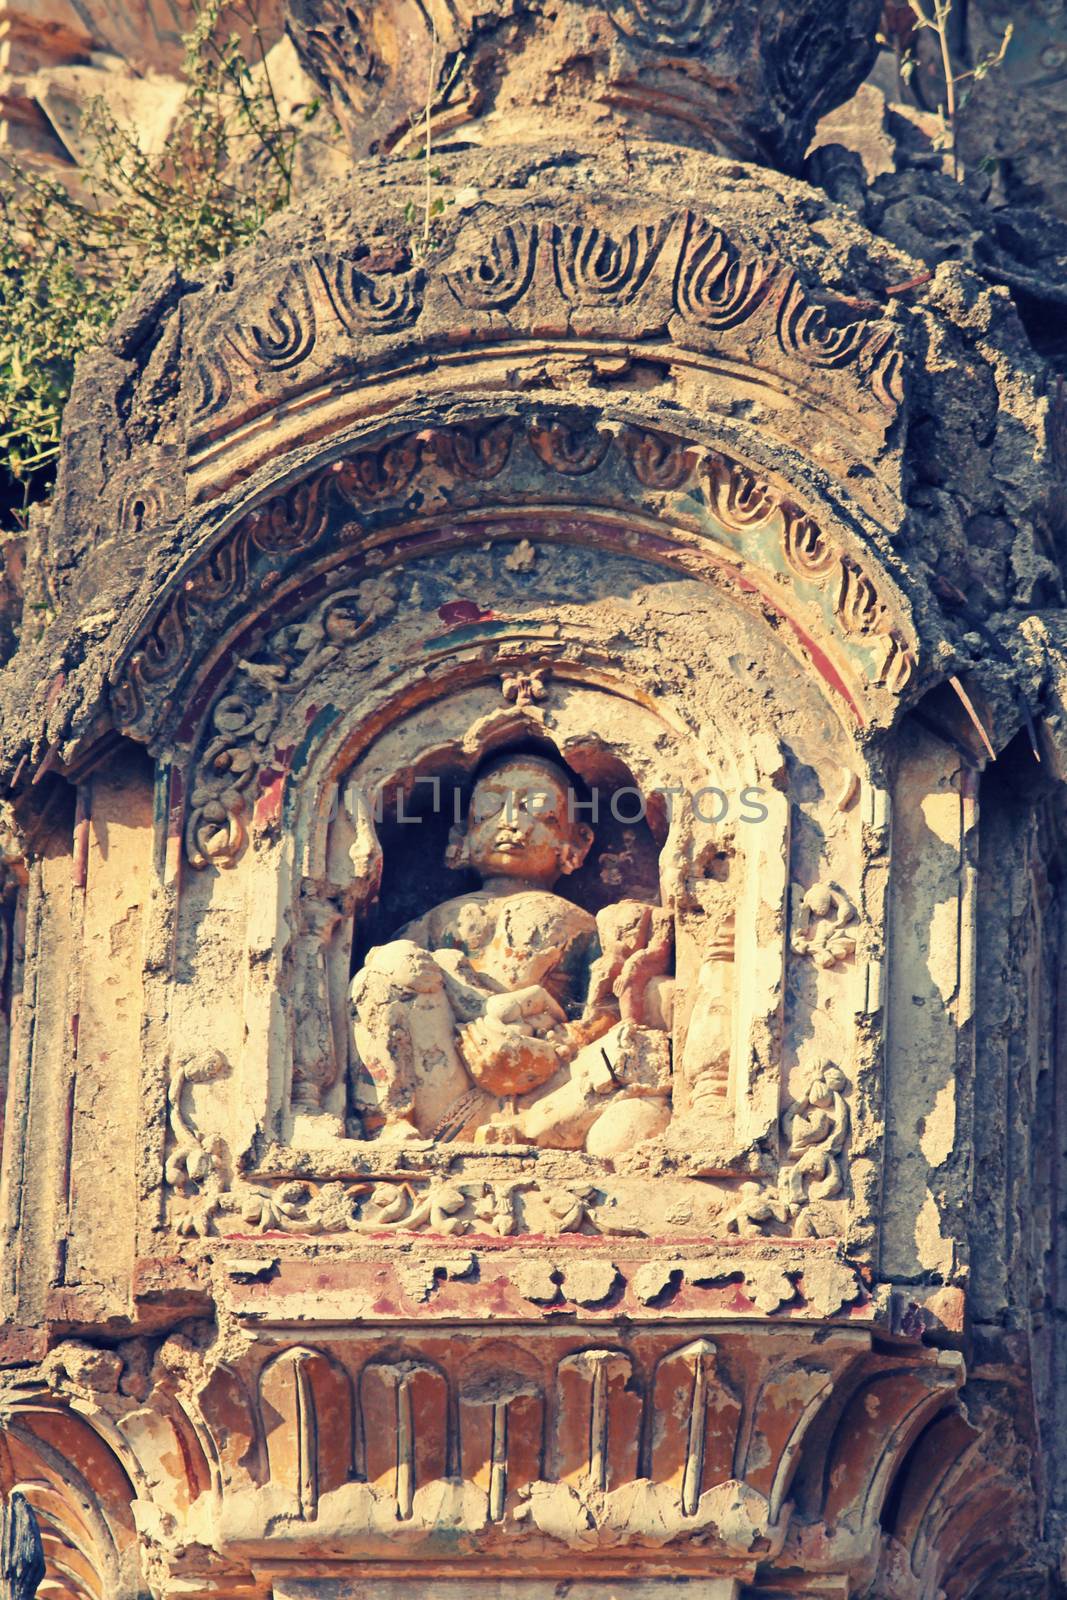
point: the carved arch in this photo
(306, 1414)
(685, 502)
(82, 1496)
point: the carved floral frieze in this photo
(681, 265)
(815, 1130)
(743, 505)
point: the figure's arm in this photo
(617, 946)
(653, 961)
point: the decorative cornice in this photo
(762, 527)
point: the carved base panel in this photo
(313, 1459)
(507, 1589)
(592, 1279)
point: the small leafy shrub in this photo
(69, 260)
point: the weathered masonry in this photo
(534, 867)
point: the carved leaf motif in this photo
(898, 664)
(222, 575)
(572, 451)
(658, 460)
(283, 333)
(738, 498)
(680, 24)
(885, 366)
(163, 648)
(127, 699)
(243, 721)
(805, 331)
(291, 520)
(502, 275)
(591, 265)
(808, 550)
(714, 287)
(370, 303)
(216, 830)
(214, 386)
(375, 474)
(471, 452)
(858, 606)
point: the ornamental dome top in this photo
(744, 78)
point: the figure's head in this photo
(521, 823)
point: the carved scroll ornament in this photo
(682, 261)
(237, 749)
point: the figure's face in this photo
(519, 825)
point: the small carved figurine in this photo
(816, 1127)
(824, 928)
(482, 1018)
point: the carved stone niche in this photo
(618, 1009)
(673, 994)
(546, 1009)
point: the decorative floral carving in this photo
(220, 576)
(196, 1167)
(526, 688)
(216, 829)
(658, 460)
(591, 265)
(192, 1160)
(805, 331)
(898, 663)
(502, 275)
(163, 646)
(127, 698)
(436, 1210)
(737, 496)
(471, 452)
(283, 333)
(857, 604)
(714, 286)
(213, 388)
(376, 474)
(367, 302)
(824, 927)
(816, 1128)
(298, 1207)
(436, 1206)
(164, 649)
(160, 653)
(885, 372)
(291, 520)
(242, 720)
(810, 553)
(573, 451)
(297, 517)
(678, 24)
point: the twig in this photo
(911, 283)
(429, 106)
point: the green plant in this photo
(937, 21)
(68, 262)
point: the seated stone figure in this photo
(489, 1016)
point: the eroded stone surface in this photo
(396, 1185)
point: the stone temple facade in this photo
(534, 864)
